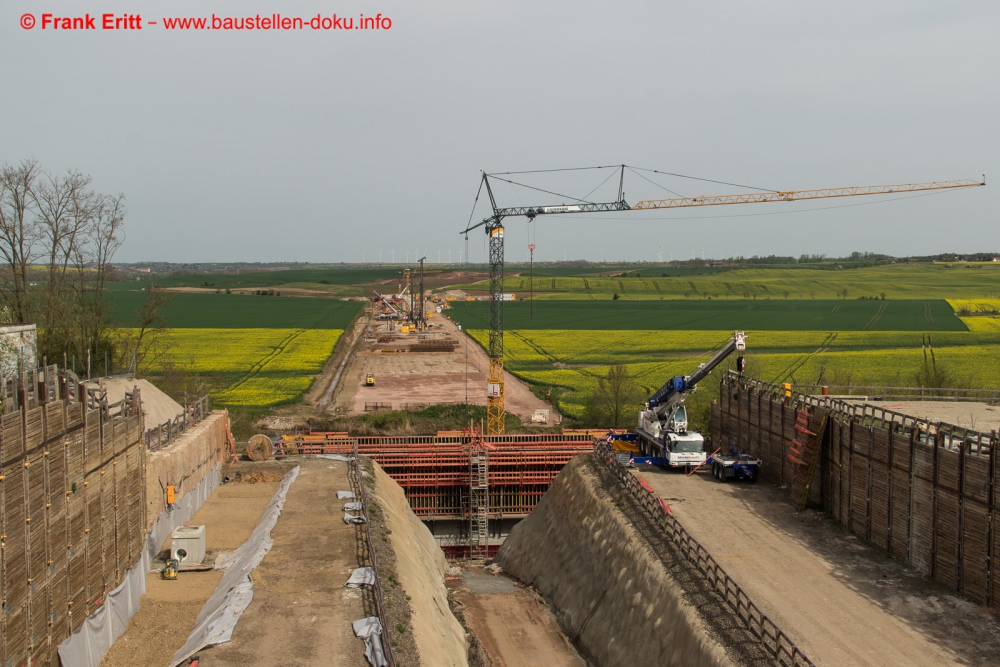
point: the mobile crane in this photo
(662, 431)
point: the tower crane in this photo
(493, 226)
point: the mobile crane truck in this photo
(662, 433)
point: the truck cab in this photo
(671, 441)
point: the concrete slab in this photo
(972, 415)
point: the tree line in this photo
(57, 240)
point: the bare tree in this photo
(57, 240)
(18, 235)
(616, 397)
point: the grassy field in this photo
(790, 315)
(573, 360)
(258, 367)
(234, 311)
(896, 281)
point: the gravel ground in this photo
(169, 608)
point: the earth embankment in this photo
(615, 599)
(420, 568)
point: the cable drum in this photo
(259, 448)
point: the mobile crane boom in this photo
(662, 430)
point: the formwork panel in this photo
(15, 570)
(880, 444)
(976, 484)
(95, 454)
(55, 422)
(859, 495)
(36, 528)
(74, 415)
(921, 527)
(32, 428)
(948, 469)
(12, 440)
(975, 563)
(880, 504)
(900, 545)
(946, 539)
(16, 636)
(923, 461)
(38, 624)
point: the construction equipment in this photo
(663, 425)
(493, 226)
(370, 380)
(169, 570)
(735, 465)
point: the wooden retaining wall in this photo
(73, 516)
(923, 491)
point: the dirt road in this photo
(513, 625)
(301, 613)
(840, 601)
(405, 380)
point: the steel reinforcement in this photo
(775, 642)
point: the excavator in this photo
(662, 433)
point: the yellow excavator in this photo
(370, 380)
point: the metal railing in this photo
(774, 641)
(158, 437)
(377, 592)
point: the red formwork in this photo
(434, 470)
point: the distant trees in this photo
(57, 240)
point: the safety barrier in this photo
(775, 642)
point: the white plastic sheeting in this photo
(86, 647)
(345, 495)
(362, 576)
(370, 630)
(352, 518)
(353, 506)
(218, 618)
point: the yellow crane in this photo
(493, 226)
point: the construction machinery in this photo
(662, 431)
(735, 465)
(370, 380)
(493, 226)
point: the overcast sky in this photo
(316, 145)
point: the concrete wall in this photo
(611, 594)
(185, 462)
(420, 565)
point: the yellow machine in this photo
(370, 380)
(169, 570)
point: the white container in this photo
(187, 545)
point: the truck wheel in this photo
(715, 470)
(753, 475)
(722, 475)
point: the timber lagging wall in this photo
(73, 504)
(925, 492)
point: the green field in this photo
(760, 315)
(234, 311)
(895, 281)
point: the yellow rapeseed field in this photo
(265, 366)
(575, 359)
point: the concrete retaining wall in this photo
(185, 462)
(612, 595)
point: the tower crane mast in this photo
(493, 226)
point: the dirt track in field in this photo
(841, 601)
